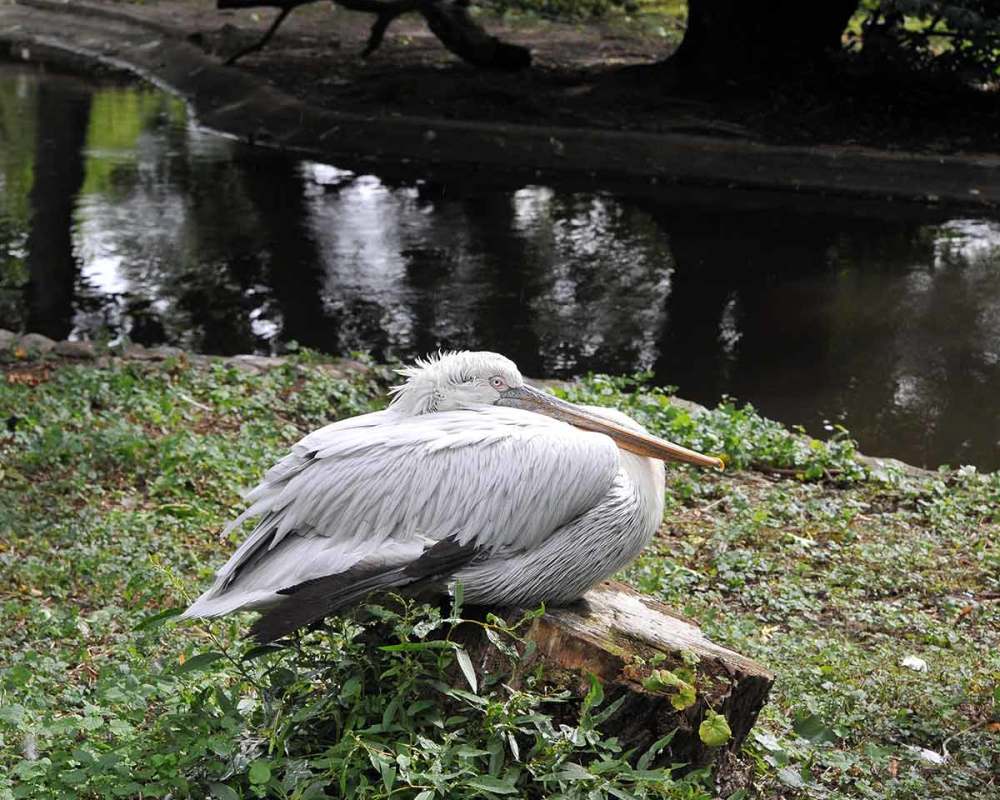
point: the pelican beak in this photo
(530, 399)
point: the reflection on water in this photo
(119, 218)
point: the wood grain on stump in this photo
(622, 638)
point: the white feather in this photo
(550, 508)
(494, 477)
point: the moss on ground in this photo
(114, 483)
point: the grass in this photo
(114, 483)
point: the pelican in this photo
(471, 476)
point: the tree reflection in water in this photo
(118, 218)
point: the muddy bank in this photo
(240, 103)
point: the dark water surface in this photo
(119, 218)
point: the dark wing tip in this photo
(275, 624)
(312, 600)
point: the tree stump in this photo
(641, 650)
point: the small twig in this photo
(944, 744)
(782, 471)
(263, 40)
(829, 474)
(193, 402)
(710, 506)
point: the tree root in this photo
(449, 20)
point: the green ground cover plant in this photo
(873, 593)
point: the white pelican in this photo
(470, 475)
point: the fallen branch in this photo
(385, 14)
(454, 26)
(449, 20)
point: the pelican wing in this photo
(374, 493)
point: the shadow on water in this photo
(118, 218)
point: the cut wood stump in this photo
(639, 649)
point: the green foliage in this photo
(952, 35)
(559, 9)
(681, 689)
(714, 730)
(113, 487)
(737, 434)
(114, 483)
(832, 586)
(663, 18)
(339, 716)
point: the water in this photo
(118, 218)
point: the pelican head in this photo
(451, 381)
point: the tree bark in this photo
(623, 638)
(732, 39)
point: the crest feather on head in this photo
(427, 378)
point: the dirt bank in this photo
(310, 92)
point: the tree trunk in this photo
(631, 644)
(63, 114)
(731, 39)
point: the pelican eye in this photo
(498, 383)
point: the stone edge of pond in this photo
(233, 102)
(32, 348)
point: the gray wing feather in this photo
(383, 486)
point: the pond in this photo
(120, 218)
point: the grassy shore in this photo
(872, 593)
